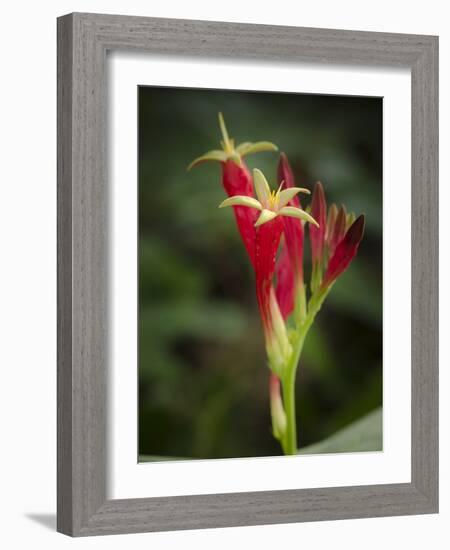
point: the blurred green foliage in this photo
(202, 370)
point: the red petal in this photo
(286, 175)
(268, 238)
(293, 228)
(293, 232)
(238, 181)
(345, 251)
(331, 220)
(319, 213)
(285, 283)
(339, 229)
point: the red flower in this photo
(345, 251)
(273, 208)
(272, 221)
(236, 180)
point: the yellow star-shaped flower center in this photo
(270, 203)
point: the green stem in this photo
(289, 441)
(290, 437)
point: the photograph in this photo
(260, 273)
(221, 275)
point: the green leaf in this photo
(366, 434)
(154, 458)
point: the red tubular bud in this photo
(238, 181)
(267, 242)
(319, 213)
(290, 271)
(345, 251)
(285, 283)
(285, 174)
(339, 230)
(332, 215)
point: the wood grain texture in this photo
(64, 297)
(424, 277)
(83, 40)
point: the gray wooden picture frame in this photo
(83, 41)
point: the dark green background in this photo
(202, 367)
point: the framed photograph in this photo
(247, 274)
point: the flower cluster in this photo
(272, 227)
(334, 242)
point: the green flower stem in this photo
(289, 440)
(288, 382)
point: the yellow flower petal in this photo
(241, 200)
(248, 148)
(293, 212)
(262, 188)
(215, 155)
(287, 194)
(265, 216)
